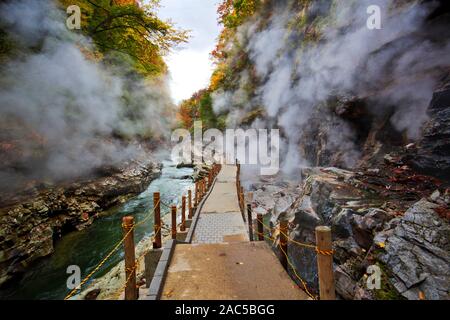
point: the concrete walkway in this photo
(221, 263)
(220, 219)
(228, 271)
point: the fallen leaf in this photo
(169, 293)
(381, 244)
(422, 295)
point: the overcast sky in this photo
(190, 65)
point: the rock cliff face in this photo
(32, 221)
(373, 226)
(389, 207)
(433, 153)
(392, 210)
(401, 226)
(417, 250)
(388, 211)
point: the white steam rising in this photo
(394, 67)
(61, 108)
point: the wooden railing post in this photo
(190, 204)
(203, 189)
(238, 165)
(238, 190)
(259, 219)
(183, 213)
(325, 263)
(284, 243)
(196, 195)
(209, 179)
(131, 292)
(174, 222)
(250, 221)
(157, 221)
(242, 202)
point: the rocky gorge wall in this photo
(364, 121)
(387, 212)
(34, 220)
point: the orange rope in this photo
(131, 270)
(107, 257)
(303, 282)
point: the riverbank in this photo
(37, 217)
(110, 285)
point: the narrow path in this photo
(220, 219)
(221, 263)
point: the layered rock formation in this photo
(389, 217)
(33, 220)
(433, 153)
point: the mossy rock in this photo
(387, 291)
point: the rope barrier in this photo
(129, 229)
(131, 270)
(325, 252)
(305, 245)
(169, 206)
(107, 257)
(303, 282)
(310, 246)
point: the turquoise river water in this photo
(46, 279)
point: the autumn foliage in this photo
(231, 14)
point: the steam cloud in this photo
(394, 67)
(61, 108)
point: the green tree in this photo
(130, 33)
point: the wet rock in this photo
(362, 293)
(363, 226)
(345, 285)
(433, 152)
(389, 158)
(418, 253)
(306, 214)
(435, 195)
(342, 224)
(273, 197)
(346, 249)
(368, 220)
(92, 295)
(362, 236)
(30, 226)
(200, 171)
(185, 165)
(374, 219)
